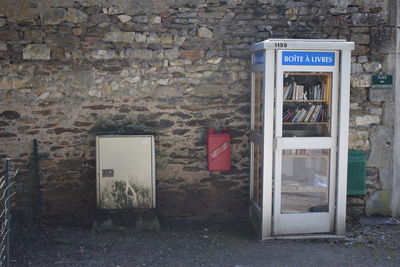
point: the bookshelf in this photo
(306, 104)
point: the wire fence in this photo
(7, 203)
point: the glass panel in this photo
(258, 102)
(306, 104)
(258, 174)
(305, 180)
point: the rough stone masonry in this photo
(70, 70)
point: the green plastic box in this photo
(356, 173)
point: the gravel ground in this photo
(197, 244)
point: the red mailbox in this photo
(219, 150)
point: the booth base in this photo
(315, 236)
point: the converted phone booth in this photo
(299, 137)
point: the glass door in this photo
(256, 174)
(261, 140)
(305, 153)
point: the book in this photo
(290, 116)
(296, 116)
(301, 92)
(303, 115)
(311, 110)
(315, 113)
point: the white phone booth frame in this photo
(269, 145)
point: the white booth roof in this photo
(306, 44)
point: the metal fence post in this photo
(7, 206)
(37, 180)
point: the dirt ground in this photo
(197, 244)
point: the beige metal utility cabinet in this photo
(125, 172)
(299, 137)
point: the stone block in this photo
(153, 38)
(360, 38)
(111, 10)
(366, 120)
(338, 10)
(203, 32)
(192, 54)
(3, 22)
(381, 148)
(372, 67)
(163, 81)
(7, 135)
(358, 140)
(10, 115)
(76, 16)
(63, 41)
(155, 19)
(379, 203)
(179, 40)
(99, 18)
(133, 79)
(367, 19)
(36, 52)
(359, 144)
(375, 111)
(212, 15)
(124, 18)
(9, 35)
(355, 200)
(215, 60)
(139, 53)
(18, 10)
(16, 82)
(389, 114)
(362, 59)
(360, 48)
(356, 68)
(77, 54)
(166, 38)
(102, 54)
(3, 46)
(383, 40)
(360, 80)
(371, 181)
(172, 53)
(381, 95)
(94, 93)
(53, 16)
(180, 62)
(141, 38)
(43, 96)
(386, 176)
(77, 31)
(186, 15)
(140, 19)
(119, 37)
(158, 54)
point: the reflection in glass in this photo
(305, 180)
(258, 102)
(258, 174)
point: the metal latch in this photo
(107, 172)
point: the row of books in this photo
(294, 91)
(313, 113)
(307, 152)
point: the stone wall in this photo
(70, 70)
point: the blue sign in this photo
(259, 58)
(308, 58)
